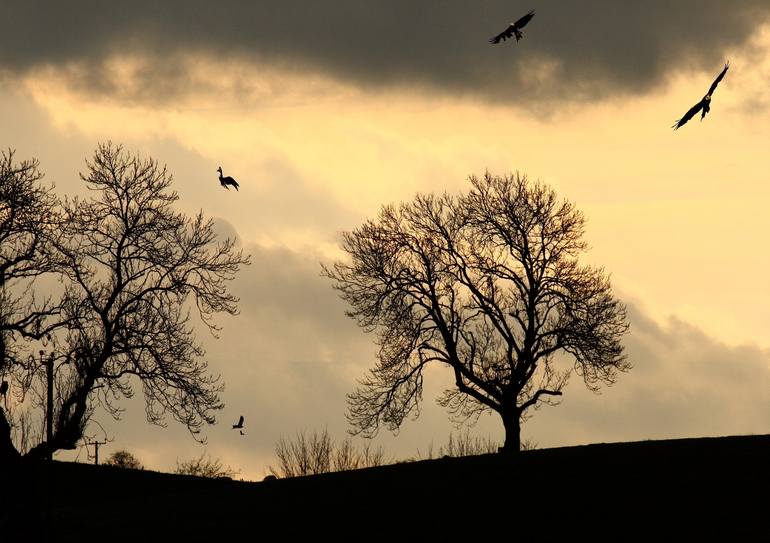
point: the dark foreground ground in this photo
(681, 490)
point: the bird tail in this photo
(235, 184)
(519, 35)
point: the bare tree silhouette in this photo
(131, 265)
(29, 225)
(487, 284)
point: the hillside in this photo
(714, 487)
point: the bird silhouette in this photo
(514, 29)
(704, 104)
(241, 431)
(240, 423)
(224, 181)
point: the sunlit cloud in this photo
(320, 138)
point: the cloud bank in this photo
(576, 51)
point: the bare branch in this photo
(487, 283)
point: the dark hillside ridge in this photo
(715, 488)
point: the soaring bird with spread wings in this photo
(704, 104)
(514, 29)
(240, 423)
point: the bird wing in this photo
(240, 421)
(504, 35)
(521, 23)
(689, 115)
(713, 86)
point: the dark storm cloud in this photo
(571, 50)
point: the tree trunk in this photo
(512, 425)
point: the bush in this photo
(466, 445)
(204, 466)
(124, 459)
(318, 453)
(463, 444)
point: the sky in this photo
(324, 112)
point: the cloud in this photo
(684, 383)
(291, 355)
(275, 201)
(571, 50)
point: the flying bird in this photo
(514, 29)
(241, 431)
(224, 181)
(240, 423)
(704, 104)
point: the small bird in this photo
(514, 29)
(241, 431)
(240, 423)
(224, 181)
(704, 104)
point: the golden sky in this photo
(678, 218)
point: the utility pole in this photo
(96, 450)
(49, 371)
(49, 397)
(49, 400)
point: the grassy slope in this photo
(714, 487)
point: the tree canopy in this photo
(487, 284)
(134, 272)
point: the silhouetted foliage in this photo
(132, 269)
(123, 459)
(463, 444)
(27, 430)
(204, 466)
(487, 284)
(318, 453)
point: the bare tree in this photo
(29, 225)
(26, 431)
(204, 466)
(134, 268)
(304, 455)
(487, 284)
(123, 459)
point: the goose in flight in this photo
(224, 181)
(240, 423)
(704, 104)
(514, 29)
